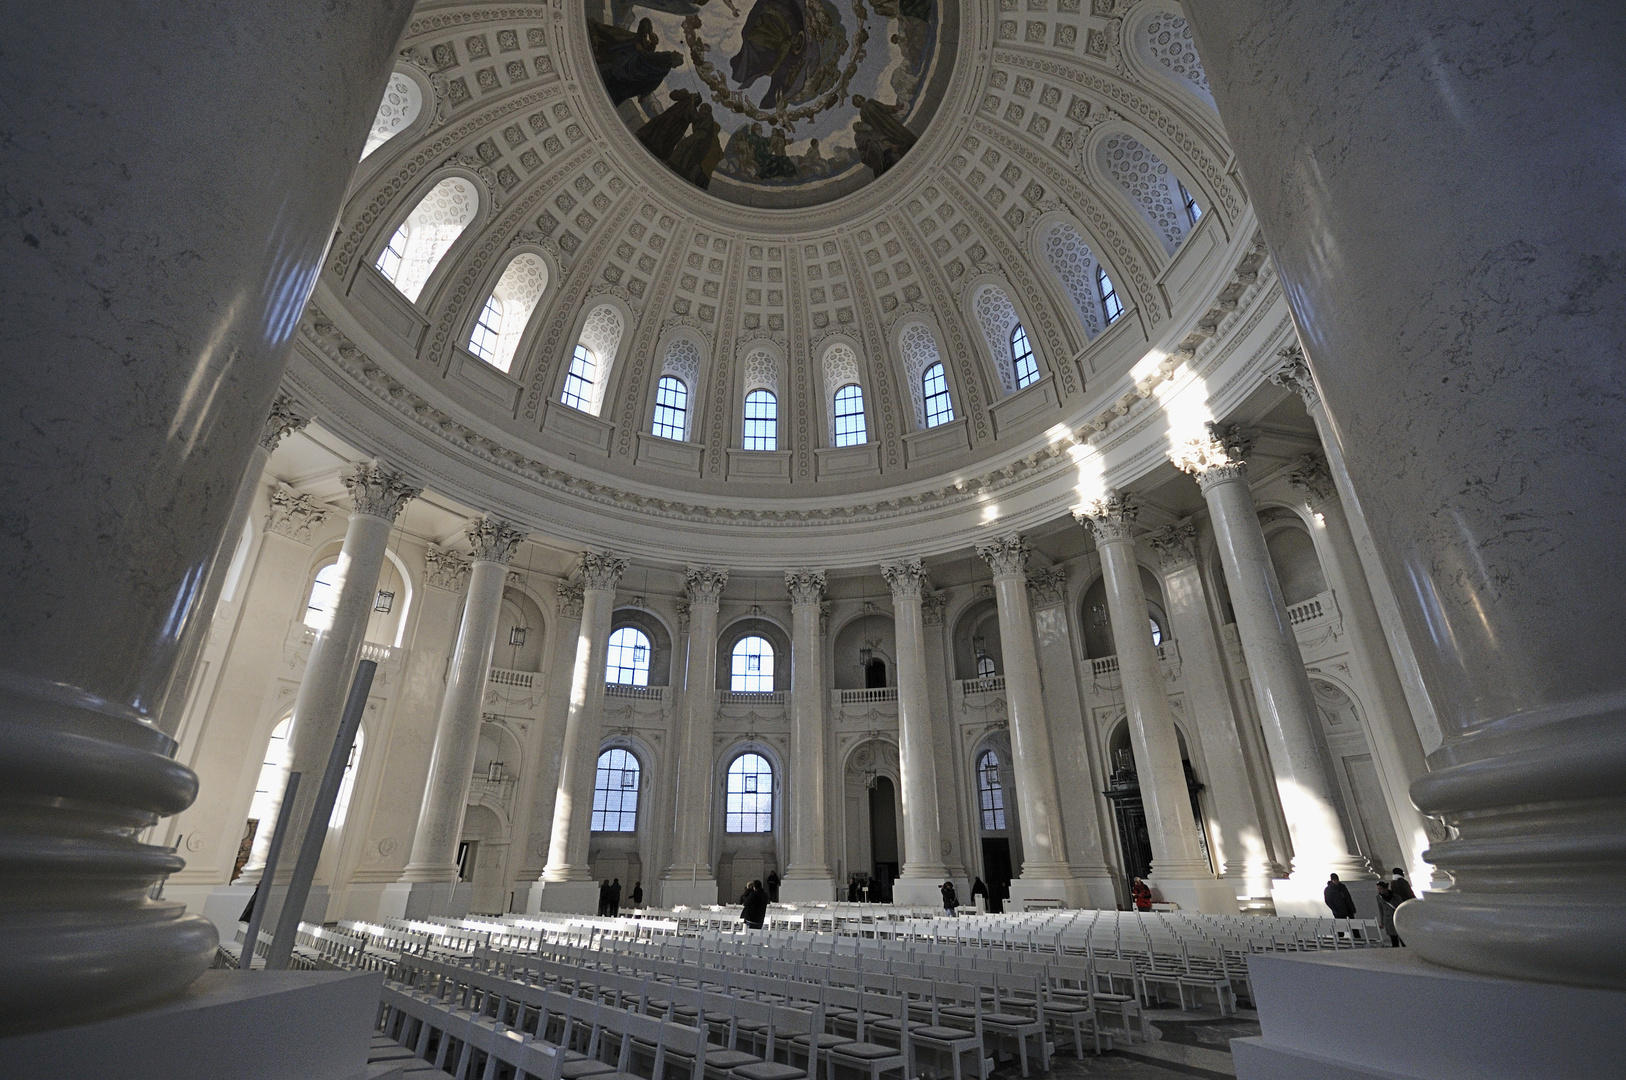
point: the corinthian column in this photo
(923, 871)
(377, 495)
(808, 876)
(1179, 869)
(431, 875)
(1281, 689)
(1045, 873)
(688, 880)
(567, 881)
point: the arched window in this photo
(502, 321)
(671, 408)
(850, 430)
(324, 594)
(615, 792)
(1074, 264)
(432, 227)
(748, 804)
(934, 389)
(627, 663)
(341, 804)
(751, 669)
(986, 668)
(1111, 306)
(1022, 362)
(1193, 211)
(580, 379)
(761, 421)
(401, 105)
(1150, 185)
(990, 793)
(1157, 633)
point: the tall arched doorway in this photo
(883, 833)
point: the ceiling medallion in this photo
(776, 103)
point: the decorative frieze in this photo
(1047, 586)
(448, 570)
(1110, 518)
(602, 570)
(1219, 456)
(906, 578)
(1176, 545)
(378, 491)
(1007, 556)
(570, 600)
(294, 514)
(705, 584)
(282, 422)
(493, 540)
(805, 586)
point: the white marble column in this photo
(554, 722)
(1281, 689)
(923, 872)
(378, 494)
(567, 881)
(148, 311)
(430, 876)
(1397, 748)
(808, 876)
(1180, 871)
(689, 879)
(945, 742)
(1236, 837)
(1045, 874)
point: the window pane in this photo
(761, 421)
(934, 386)
(1157, 632)
(628, 659)
(990, 795)
(671, 408)
(850, 429)
(487, 331)
(1110, 304)
(324, 593)
(615, 792)
(751, 671)
(1027, 368)
(389, 260)
(579, 381)
(748, 797)
(1193, 211)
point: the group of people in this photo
(609, 897)
(1391, 894)
(685, 136)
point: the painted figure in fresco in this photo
(881, 137)
(662, 133)
(697, 155)
(627, 60)
(775, 43)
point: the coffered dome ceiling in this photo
(507, 212)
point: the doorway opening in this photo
(883, 837)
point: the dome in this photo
(525, 302)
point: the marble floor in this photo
(1184, 1044)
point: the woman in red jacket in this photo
(1142, 895)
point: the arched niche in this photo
(875, 632)
(866, 764)
(485, 859)
(1293, 554)
(743, 857)
(745, 627)
(392, 595)
(660, 640)
(976, 634)
(1097, 621)
(625, 855)
(520, 611)
(991, 840)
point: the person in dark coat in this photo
(1336, 894)
(1401, 887)
(627, 60)
(979, 889)
(637, 894)
(604, 897)
(773, 886)
(852, 888)
(754, 905)
(615, 898)
(696, 155)
(950, 899)
(1386, 914)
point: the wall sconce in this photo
(384, 602)
(494, 772)
(516, 636)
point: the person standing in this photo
(1387, 903)
(950, 900)
(1401, 887)
(773, 886)
(852, 888)
(615, 898)
(979, 889)
(1337, 897)
(604, 898)
(754, 905)
(1141, 893)
(637, 894)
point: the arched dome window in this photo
(996, 315)
(844, 395)
(1075, 266)
(990, 792)
(402, 103)
(1111, 306)
(590, 361)
(433, 226)
(615, 792)
(671, 408)
(1150, 185)
(761, 421)
(928, 381)
(1022, 362)
(508, 309)
(581, 380)
(751, 666)
(849, 416)
(1187, 199)
(748, 795)
(934, 388)
(627, 662)
(1164, 42)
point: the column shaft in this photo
(457, 736)
(808, 876)
(923, 871)
(688, 880)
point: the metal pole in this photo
(310, 849)
(262, 891)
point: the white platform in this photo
(685, 893)
(566, 897)
(262, 1025)
(807, 890)
(1384, 1013)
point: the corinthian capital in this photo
(570, 600)
(1220, 455)
(1047, 586)
(805, 586)
(932, 606)
(1007, 556)
(705, 584)
(1176, 545)
(379, 492)
(1311, 476)
(282, 421)
(294, 514)
(602, 569)
(906, 578)
(448, 570)
(493, 540)
(1294, 375)
(1111, 518)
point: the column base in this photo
(700, 892)
(263, 1026)
(918, 891)
(1210, 895)
(426, 899)
(223, 906)
(1387, 1013)
(565, 897)
(1301, 895)
(1033, 891)
(811, 890)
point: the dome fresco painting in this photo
(775, 102)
